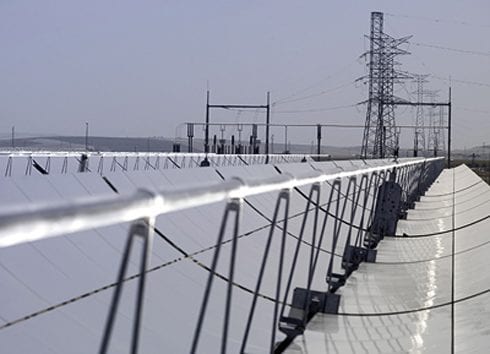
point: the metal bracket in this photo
(355, 255)
(205, 162)
(83, 165)
(386, 215)
(317, 301)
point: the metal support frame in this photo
(83, 163)
(266, 107)
(144, 229)
(64, 167)
(333, 279)
(283, 198)
(8, 170)
(295, 321)
(387, 211)
(234, 206)
(319, 139)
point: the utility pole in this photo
(433, 143)
(419, 143)
(86, 136)
(240, 129)
(267, 122)
(449, 130)
(442, 123)
(13, 137)
(205, 162)
(206, 143)
(318, 139)
(285, 139)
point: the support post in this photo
(86, 136)
(285, 139)
(449, 131)
(268, 121)
(206, 136)
(144, 229)
(205, 162)
(318, 139)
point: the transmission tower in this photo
(433, 139)
(380, 138)
(442, 124)
(419, 134)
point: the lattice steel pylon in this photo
(419, 142)
(380, 136)
(434, 131)
(442, 124)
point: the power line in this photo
(439, 20)
(448, 80)
(321, 93)
(467, 82)
(318, 109)
(457, 50)
(316, 83)
(482, 111)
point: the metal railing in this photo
(363, 194)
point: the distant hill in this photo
(95, 143)
(153, 144)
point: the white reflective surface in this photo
(402, 303)
(411, 273)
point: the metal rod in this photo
(365, 188)
(147, 229)
(86, 136)
(279, 271)
(324, 225)
(355, 203)
(319, 139)
(206, 138)
(236, 206)
(449, 131)
(285, 138)
(141, 228)
(298, 245)
(116, 296)
(336, 187)
(267, 126)
(209, 283)
(283, 195)
(243, 106)
(311, 268)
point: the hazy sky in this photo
(141, 68)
